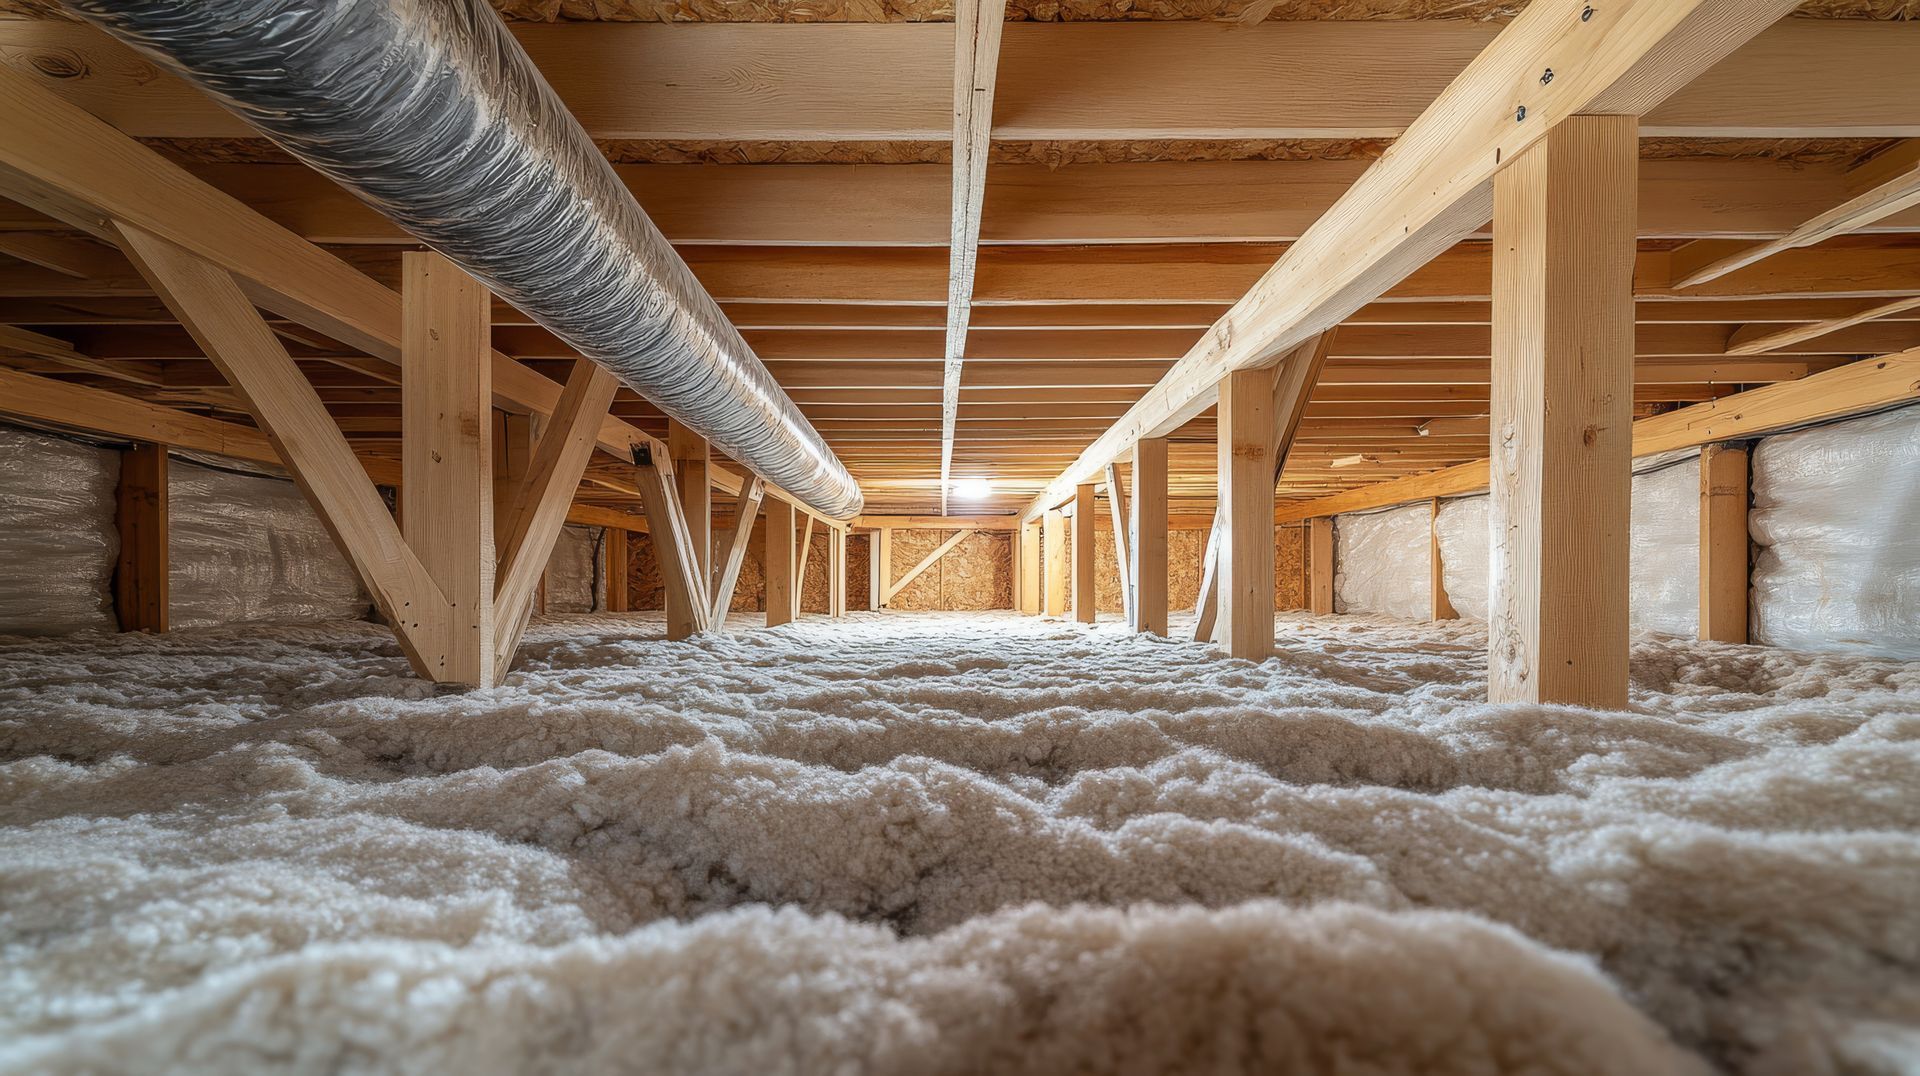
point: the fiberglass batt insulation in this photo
(574, 583)
(58, 542)
(246, 547)
(950, 843)
(1380, 562)
(1836, 514)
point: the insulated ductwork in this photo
(430, 111)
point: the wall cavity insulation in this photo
(57, 539)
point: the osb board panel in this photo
(1186, 553)
(976, 574)
(645, 590)
(1065, 10)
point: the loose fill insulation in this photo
(1836, 514)
(58, 543)
(246, 547)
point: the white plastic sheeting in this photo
(1664, 567)
(246, 547)
(1381, 563)
(58, 543)
(1836, 512)
(1663, 573)
(574, 584)
(1464, 563)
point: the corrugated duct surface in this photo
(430, 111)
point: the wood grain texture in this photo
(140, 590)
(1054, 541)
(1724, 500)
(779, 561)
(1562, 418)
(1149, 550)
(1244, 562)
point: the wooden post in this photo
(1150, 539)
(617, 570)
(1442, 606)
(1723, 543)
(1029, 542)
(801, 562)
(779, 562)
(876, 571)
(1122, 538)
(1562, 405)
(836, 571)
(1244, 569)
(140, 578)
(882, 553)
(689, 452)
(1054, 538)
(1083, 520)
(1320, 565)
(1016, 568)
(446, 454)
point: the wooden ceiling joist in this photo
(1435, 186)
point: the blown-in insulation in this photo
(58, 543)
(247, 548)
(1380, 563)
(430, 112)
(1836, 513)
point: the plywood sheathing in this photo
(976, 574)
(1072, 10)
(750, 593)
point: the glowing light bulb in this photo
(973, 489)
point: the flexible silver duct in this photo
(430, 111)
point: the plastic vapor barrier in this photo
(1663, 582)
(1836, 513)
(58, 542)
(246, 547)
(1381, 563)
(1464, 561)
(1663, 572)
(574, 583)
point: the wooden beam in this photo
(209, 303)
(1441, 606)
(880, 555)
(1054, 549)
(1293, 386)
(1562, 415)
(1122, 547)
(1084, 518)
(690, 463)
(800, 565)
(1320, 565)
(1888, 184)
(1436, 187)
(140, 588)
(836, 571)
(1757, 339)
(1243, 569)
(80, 258)
(976, 56)
(1723, 543)
(1028, 541)
(1149, 526)
(745, 508)
(779, 564)
(619, 570)
(540, 508)
(1058, 80)
(672, 545)
(898, 585)
(447, 455)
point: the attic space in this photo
(1169, 536)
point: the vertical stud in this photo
(1562, 405)
(1442, 606)
(1083, 579)
(779, 561)
(140, 592)
(1054, 539)
(1150, 537)
(1320, 565)
(1244, 564)
(1723, 543)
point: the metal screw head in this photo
(1520, 115)
(1546, 76)
(1586, 13)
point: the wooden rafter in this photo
(1888, 184)
(977, 26)
(1436, 188)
